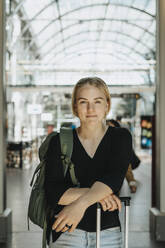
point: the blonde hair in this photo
(94, 81)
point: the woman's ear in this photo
(107, 107)
(106, 112)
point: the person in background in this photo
(101, 156)
(129, 175)
(50, 128)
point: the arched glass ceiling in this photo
(92, 34)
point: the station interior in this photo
(47, 46)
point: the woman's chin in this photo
(92, 120)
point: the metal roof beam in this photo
(68, 88)
(83, 41)
(34, 17)
(61, 27)
(75, 24)
(100, 31)
(19, 6)
(33, 68)
(82, 53)
(78, 53)
(21, 12)
(93, 31)
(80, 8)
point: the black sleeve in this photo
(122, 154)
(55, 183)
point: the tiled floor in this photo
(17, 199)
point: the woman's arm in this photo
(71, 195)
(110, 202)
(96, 193)
(73, 213)
(91, 195)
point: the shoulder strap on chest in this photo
(66, 140)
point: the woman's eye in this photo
(97, 102)
(82, 102)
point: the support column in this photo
(157, 213)
(5, 214)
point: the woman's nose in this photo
(90, 106)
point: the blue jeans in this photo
(110, 238)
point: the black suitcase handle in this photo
(126, 200)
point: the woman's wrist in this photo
(83, 202)
(71, 195)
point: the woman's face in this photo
(91, 104)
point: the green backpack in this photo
(38, 208)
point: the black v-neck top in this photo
(108, 165)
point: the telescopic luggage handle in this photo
(126, 201)
(98, 225)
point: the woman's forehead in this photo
(90, 90)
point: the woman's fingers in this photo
(64, 229)
(114, 205)
(108, 203)
(60, 226)
(57, 222)
(119, 205)
(73, 227)
(103, 204)
(111, 203)
(69, 217)
(63, 226)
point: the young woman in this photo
(101, 155)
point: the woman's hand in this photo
(69, 217)
(111, 203)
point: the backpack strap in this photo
(44, 146)
(73, 176)
(35, 173)
(66, 140)
(44, 234)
